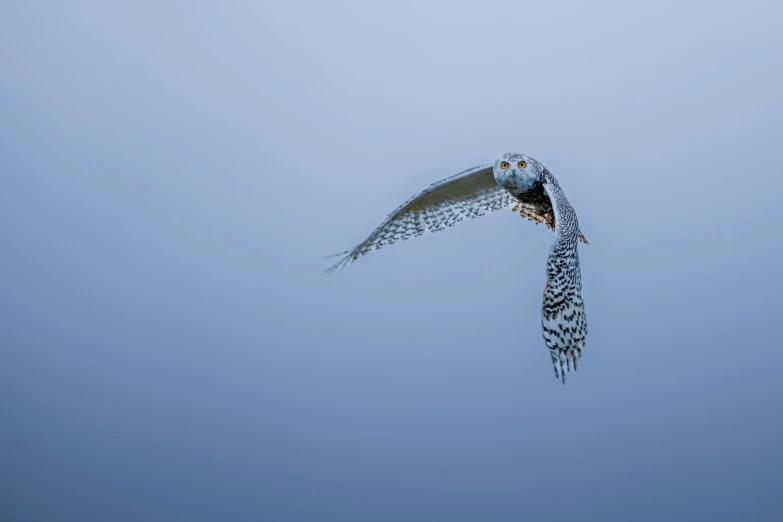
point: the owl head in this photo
(517, 172)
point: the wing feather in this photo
(471, 193)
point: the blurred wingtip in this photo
(338, 254)
(338, 266)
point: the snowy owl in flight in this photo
(522, 181)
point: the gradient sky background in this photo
(172, 174)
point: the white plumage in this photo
(513, 179)
(471, 193)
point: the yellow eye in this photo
(522, 164)
(504, 165)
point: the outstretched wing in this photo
(563, 316)
(471, 194)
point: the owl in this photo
(523, 183)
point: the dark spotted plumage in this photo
(536, 196)
(563, 317)
(535, 205)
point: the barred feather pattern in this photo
(471, 193)
(564, 320)
(536, 206)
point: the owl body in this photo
(513, 179)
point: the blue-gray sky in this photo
(172, 173)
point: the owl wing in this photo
(535, 205)
(471, 194)
(563, 316)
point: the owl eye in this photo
(522, 164)
(504, 165)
